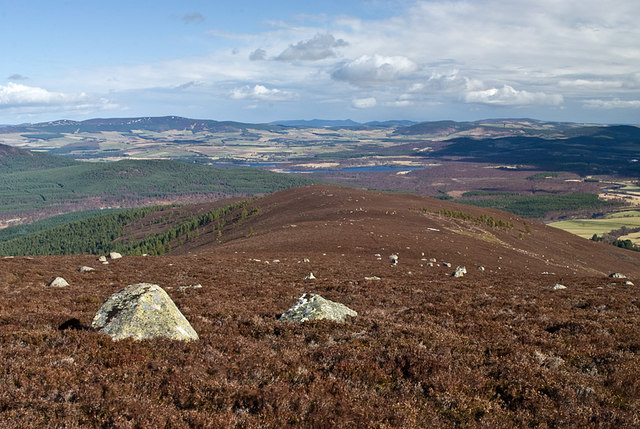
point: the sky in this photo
(366, 60)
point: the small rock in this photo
(434, 260)
(85, 269)
(372, 278)
(394, 259)
(142, 311)
(105, 262)
(115, 255)
(58, 282)
(480, 268)
(102, 258)
(196, 286)
(617, 276)
(459, 272)
(310, 277)
(306, 260)
(446, 264)
(558, 286)
(275, 261)
(429, 264)
(314, 307)
(628, 283)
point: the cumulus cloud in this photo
(18, 97)
(258, 55)
(508, 96)
(14, 94)
(364, 103)
(195, 17)
(612, 104)
(260, 92)
(320, 47)
(17, 76)
(368, 70)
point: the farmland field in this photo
(587, 227)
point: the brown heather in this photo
(496, 349)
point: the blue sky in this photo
(257, 61)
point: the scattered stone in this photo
(105, 263)
(558, 286)
(314, 307)
(446, 264)
(617, 276)
(628, 283)
(85, 269)
(310, 277)
(196, 286)
(142, 311)
(102, 258)
(372, 278)
(459, 272)
(306, 260)
(480, 268)
(429, 264)
(394, 259)
(434, 260)
(276, 261)
(115, 255)
(58, 282)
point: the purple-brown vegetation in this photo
(496, 348)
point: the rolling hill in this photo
(498, 347)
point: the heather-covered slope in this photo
(340, 220)
(496, 348)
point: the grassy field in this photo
(587, 227)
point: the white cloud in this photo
(15, 95)
(364, 103)
(318, 48)
(260, 92)
(508, 96)
(368, 70)
(612, 104)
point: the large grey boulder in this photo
(311, 307)
(142, 311)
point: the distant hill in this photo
(158, 124)
(318, 123)
(14, 159)
(599, 150)
(329, 123)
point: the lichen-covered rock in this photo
(142, 311)
(59, 282)
(311, 307)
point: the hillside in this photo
(604, 150)
(37, 185)
(496, 348)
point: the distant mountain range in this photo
(316, 123)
